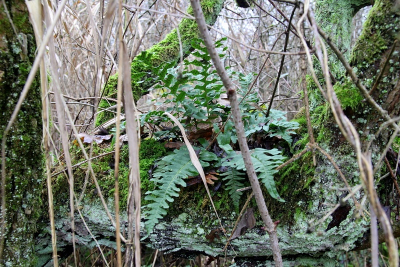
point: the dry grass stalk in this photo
(62, 125)
(36, 15)
(134, 197)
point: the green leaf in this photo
(207, 156)
(195, 112)
(265, 163)
(181, 96)
(224, 138)
(234, 180)
(169, 175)
(227, 148)
(265, 166)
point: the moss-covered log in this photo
(165, 51)
(24, 160)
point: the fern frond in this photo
(279, 126)
(265, 165)
(169, 175)
(234, 180)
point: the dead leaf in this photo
(194, 181)
(209, 260)
(100, 138)
(88, 139)
(247, 222)
(123, 138)
(210, 178)
(201, 133)
(215, 233)
(173, 145)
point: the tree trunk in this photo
(24, 173)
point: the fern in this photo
(265, 165)
(194, 90)
(279, 126)
(234, 181)
(275, 125)
(169, 175)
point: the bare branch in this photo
(240, 132)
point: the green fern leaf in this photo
(168, 177)
(265, 165)
(279, 126)
(234, 180)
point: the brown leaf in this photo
(88, 139)
(100, 138)
(194, 181)
(210, 178)
(209, 260)
(173, 145)
(247, 222)
(215, 233)
(201, 133)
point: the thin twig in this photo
(12, 25)
(117, 125)
(351, 194)
(393, 176)
(238, 41)
(376, 83)
(294, 158)
(238, 218)
(351, 134)
(339, 172)
(388, 145)
(63, 131)
(303, 66)
(232, 95)
(36, 16)
(355, 79)
(282, 61)
(83, 162)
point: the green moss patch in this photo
(150, 151)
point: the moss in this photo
(150, 151)
(24, 159)
(293, 184)
(378, 34)
(348, 94)
(396, 144)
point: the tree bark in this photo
(24, 172)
